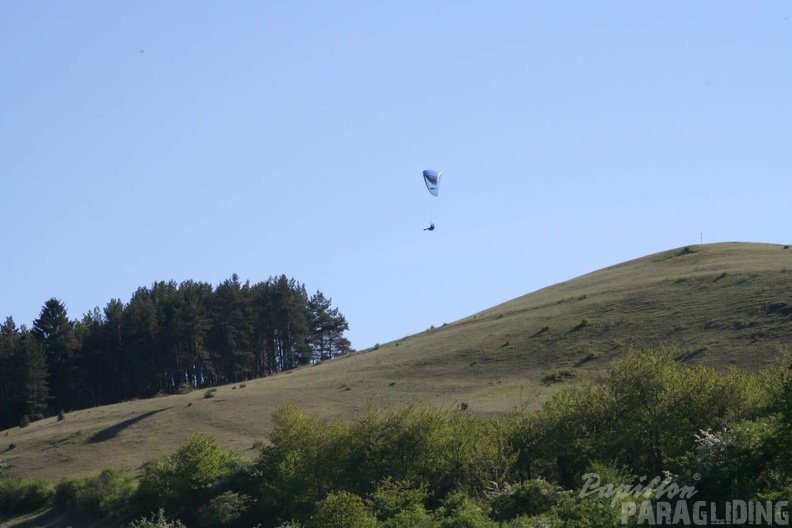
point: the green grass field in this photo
(722, 304)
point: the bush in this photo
(459, 511)
(210, 393)
(224, 509)
(156, 521)
(18, 496)
(182, 481)
(410, 519)
(392, 498)
(61, 415)
(103, 496)
(66, 493)
(342, 510)
(106, 495)
(25, 421)
(574, 512)
(531, 497)
(185, 388)
(559, 375)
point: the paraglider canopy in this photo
(432, 179)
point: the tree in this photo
(55, 333)
(189, 329)
(327, 328)
(230, 337)
(182, 482)
(34, 370)
(9, 377)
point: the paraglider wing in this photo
(432, 179)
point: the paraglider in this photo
(432, 180)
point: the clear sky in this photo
(157, 140)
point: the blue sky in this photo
(158, 140)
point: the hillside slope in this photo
(722, 304)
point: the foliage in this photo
(459, 511)
(529, 498)
(102, 496)
(559, 375)
(341, 510)
(392, 455)
(393, 498)
(224, 509)
(18, 496)
(182, 481)
(410, 519)
(158, 520)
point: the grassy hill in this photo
(723, 304)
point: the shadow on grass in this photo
(112, 431)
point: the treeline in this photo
(168, 337)
(604, 453)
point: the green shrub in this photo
(210, 393)
(185, 388)
(155, 490)
(18, 496)
(459, 511)
(530, 497)
(410, 519)
(524, 521)
(25, 421)
(559, 375)
(224, 509)
(157, 520)
(103, 496)
(342, 510)
(65, 495)
(419, 447)
(61, 415)
(182, 481)
(574, 512)
(106, 495)
(392, 498)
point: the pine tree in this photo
(9, 378)
(190, 327)
(55, 333)
(327, 329)
(34, 373)
(231, 332)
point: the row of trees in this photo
(166, 337)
